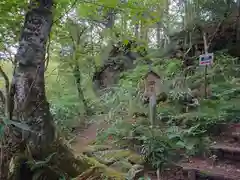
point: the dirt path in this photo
(87, 136)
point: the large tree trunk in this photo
(28, 87)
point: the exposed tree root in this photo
(56, 162)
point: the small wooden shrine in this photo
(152, 84)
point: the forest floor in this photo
(226, 167)
(86, 136)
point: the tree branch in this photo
(7, 86)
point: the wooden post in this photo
(206, 66)
(205, 82)
(152, 109)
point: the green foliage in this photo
(179, 132)
(80, 27)
(157, 149)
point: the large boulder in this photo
(120, 58)
(221, 35)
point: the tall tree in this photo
(28, 101)
(76, 35)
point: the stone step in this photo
(226, 149)
(235, 136)
(231, 130)
(173, 173)
(200, 169)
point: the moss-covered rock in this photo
(97, 173)
(95, 148)
(98, 170)
(116, 159)
(136, 159)
(122, 166)
(135, 172)
(116, 154)
(108, 157)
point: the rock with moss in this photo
(120, 58)
(95, 148)
(122, 166)
(98, 170)
(135, 172)
(136, 159)
(110, 156)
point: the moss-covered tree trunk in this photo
(28, 87)
(77, 76)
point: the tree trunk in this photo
(158, 34)
(5, 99)
(124, 23)
(238, 22)
(144, 28)
(75, 67)
(28, 86)
(2, 103)
(110, 17)
(77, 76)
(136, 30)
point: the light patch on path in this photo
(87, 136)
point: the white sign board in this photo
(206, 59)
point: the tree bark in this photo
(75, 67)
(5, 99)
(158, 34)
(144, 27)
(136, 30)
(77, 75)
(2, 102)
(238, 22)
(28, 87)
(110, 18)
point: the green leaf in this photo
(173, 136)
(125, 41)
(20, 125)
(181, 144)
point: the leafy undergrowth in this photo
(131, 144)
(177, 134)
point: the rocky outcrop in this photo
(221, 35)
(120, 58)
